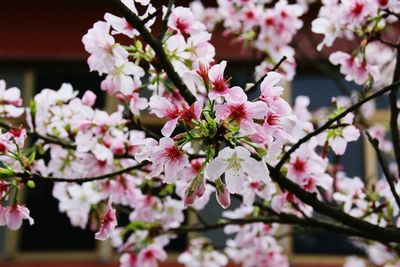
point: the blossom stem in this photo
(255, 86)
(390, 179)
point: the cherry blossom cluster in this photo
(202, 253)
(366, 20)
(260, 151)
(378, 255)
(265, 26)
(13, 160)
(254, 244)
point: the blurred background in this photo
(41, 48)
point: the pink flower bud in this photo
(200, 190)
(89, 98)
(223, 196)
(189, 199)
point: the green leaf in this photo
(32, 157)
(6, 172)
(32, 106)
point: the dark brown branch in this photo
(390, 179)
(373, 231)
(164, 26)
(255, 86)
(152, 15)
(133, 19)
(333, 120)
(47, 139)
(38, 178)
(281, 219)
(394, 113)
(389, 43)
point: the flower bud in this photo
(89, 98)
(223, 196)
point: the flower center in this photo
(235, 162)
(238, 112)
(299, 165)
(173, 154)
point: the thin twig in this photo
(255, 86)
(38, 178)
(321, 129)
(152, 15)
(394, 113)
(164, 26)
(47, 139)
(390, 179)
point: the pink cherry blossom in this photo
(271, 94)
(14, 216)
(150, 255)
(120, 25)
(237, 108)
(220, 86)
(354, 68)
(182, 20)
(164, 108)
(10, 101)
(168, 157)
(349, 133)
(108, 223)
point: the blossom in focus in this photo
(168, 157)
(238, 165)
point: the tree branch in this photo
(133, 19)
(47, 139)
(375, 144)
(164, 26)
(324, 127)
(368, 229)
(255, 86)
(394, 113)
(281, 219)
(38, 178)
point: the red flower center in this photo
(357, 9)
(149, 255)
(299, 165)
(3, 148)
(173, 154)
(272, 119)
(173, 112)
(383, 2)
(220, 85)
(249, 15)
(182, 25)
(238, 112)
(187, 114)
